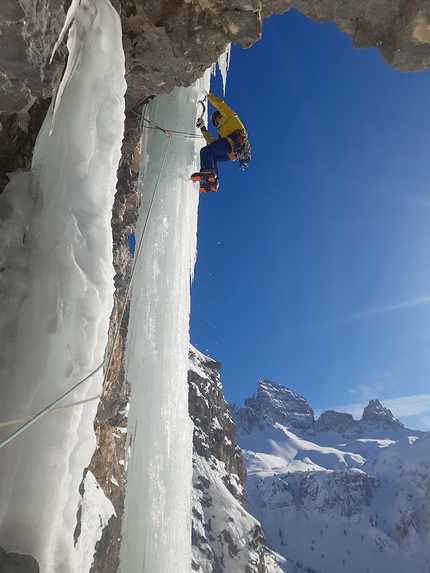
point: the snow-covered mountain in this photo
(336, 494)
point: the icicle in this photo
(75, 44)
(223, 65)
(69, 18)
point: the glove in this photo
(200, 123)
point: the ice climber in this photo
(231, 144)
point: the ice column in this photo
(56, 329)
(156, 526)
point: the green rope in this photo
(51, 406)
(71, 405)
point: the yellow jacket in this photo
(229, 120)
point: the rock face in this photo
(29, 31)
(16, 563)
(376, 415)
(399, 29)
(346, 493)
(331, 421)
(111, 420)
(214, 429)
(224, 535)
(168, 44)
(275, 404)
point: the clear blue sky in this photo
(313, 265)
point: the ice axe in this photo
(200, 122)
(202, 101)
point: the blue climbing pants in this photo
(214, 152)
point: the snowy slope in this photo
(336, 494)
(225, 537)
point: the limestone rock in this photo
(274, 404)
(166, 44)
(214, 429)
(28, 32)
(224, 535)
(375, 414)
(331, 421)
(17, 563)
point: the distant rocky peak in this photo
(331, 421)
(376, 415)
(274, 404)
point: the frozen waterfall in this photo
(156, 527)
(56, 296)
(56, 289)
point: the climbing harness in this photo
(52, 407)
(243, 151)
(240, 148)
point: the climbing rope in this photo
(136, 258)
(71, 405)
(49, 408)
(152, 125)
(52, 407)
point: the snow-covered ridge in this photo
(331, 495)
(275, 404)
(337, 494)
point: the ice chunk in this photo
(58, 267)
